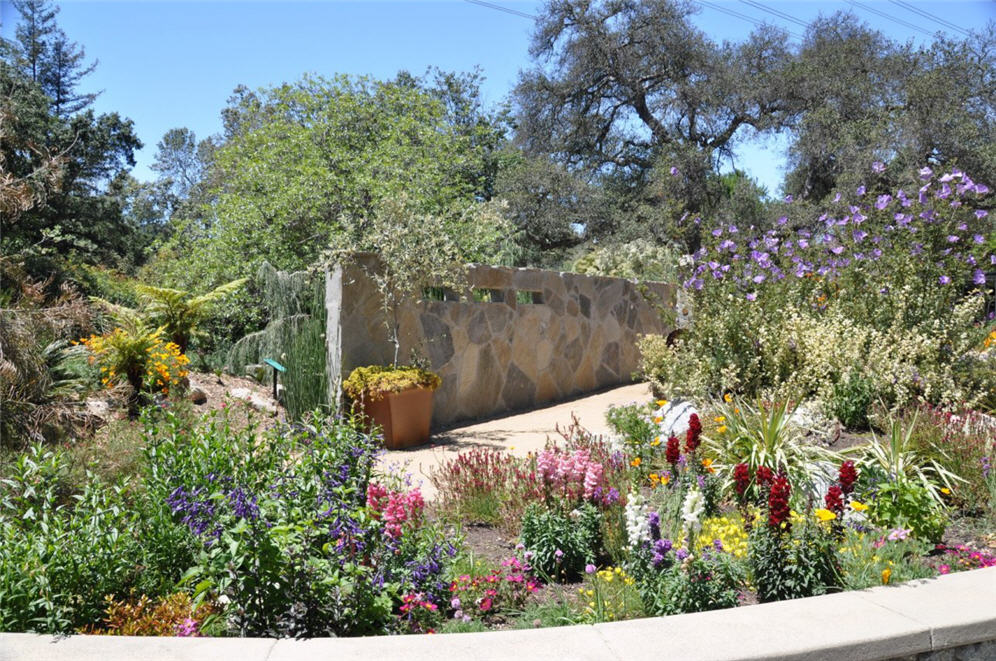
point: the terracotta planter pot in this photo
(403, 416)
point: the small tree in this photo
(416, 250)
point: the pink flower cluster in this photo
(963, 558)
(394, 508)
(506, 588)
(571, 474)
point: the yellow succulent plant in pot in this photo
(397, 399)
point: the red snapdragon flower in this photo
(848, 476)
(673, 452)
(778, 502)
(835, 499)
(741, 479)
(764, 476)
(692, 435)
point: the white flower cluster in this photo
(637, 526)
(691, 512)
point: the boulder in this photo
(674, 418)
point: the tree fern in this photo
(179, 312)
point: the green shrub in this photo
(850, 401)
(904, 503)
(787, 564)
(562, 545)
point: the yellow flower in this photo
(727, 398)
(707, 464)
(858, 506)
(886, 575)
(825, 515)
(665, 479)
(658, 419)
(722, 429)
(655, 442)
(720, 418)
(661, 402)
(945, 491)
(636, 462)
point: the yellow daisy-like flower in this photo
(722, 429)
(858, 506)
(655, 442)
(636, 462)
(825, 515)
(727, 398)
(720, 418)
(707, 464)
(661, 402)
(946, 491)
(886, 575)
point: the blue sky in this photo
(171, 64)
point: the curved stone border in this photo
(950, 617)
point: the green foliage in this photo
(868, 560)
(702, 582)
(763, 435)
(575, 536)
(295, 336)
(639, 259)
(180, 313)
(376, 381)
(850, 401)
(897, 458)
(789, 565)
(284, 190)
(907, 504)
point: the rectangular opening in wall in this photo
(439, 294)
(529, 297)
(488, 296)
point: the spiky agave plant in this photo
(179, 312)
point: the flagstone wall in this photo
(536, 337)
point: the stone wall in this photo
(539, 336)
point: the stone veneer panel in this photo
(501, 356)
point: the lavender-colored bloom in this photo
(947, 177)
(717, 544)
(752, 296)
(717, 232)
(952, 238)
(612, 496)
(981, 213)
(945, 192)
(978, 277)
(758, 279)
(681, 553)
(788, 198)
(878, 166)
(944, 280)
(917, 249)
(859, 236)
(803, 243)
(876, 253)
(674, 171)
(986, 467)
(861, 190)
(883, 201)
(837, 250)
(836, 198)
(700, 480)
(978, 238)
(558, 555)
(926, 173)
(981, 189)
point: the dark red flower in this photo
(778, 502)
(835, 499)
(764, 476)
(693, 433)
(673, 451)
(848, 476)
(741, 479)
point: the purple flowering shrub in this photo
(897, 277)
(285, 537)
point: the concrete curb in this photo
(924, 619)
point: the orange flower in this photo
(636, 462)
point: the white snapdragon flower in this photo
(691, 512)
(637, 526)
